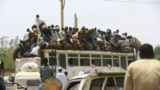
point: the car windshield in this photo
(114, 85)
(119, 81)
(73, 85)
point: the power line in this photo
(138, 1)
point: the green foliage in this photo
(157, 52)
(7, 47)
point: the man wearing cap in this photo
(62, 77)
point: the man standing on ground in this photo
(143, 74)
(46, 71)
(62, 77)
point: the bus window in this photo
(107, 62)
(116, 62)
(62, 60)
(115, 57)
(70, 61)
(130, 59)
(96, 62)
(84, 62)
(123, 62)
(84, 55)
(106, 56)
(73, 61)
(52, 61)
(52, 58)
(96, 56)
(73, 55)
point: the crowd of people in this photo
(74, 38)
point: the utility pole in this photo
(75, 20)
(62, 5)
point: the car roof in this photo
(99, 74)
(80, 76)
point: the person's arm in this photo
(128, 85)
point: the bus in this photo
(74, 61)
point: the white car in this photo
(97, 81)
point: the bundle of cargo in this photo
(27, 72)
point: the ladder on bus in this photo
(52, 60)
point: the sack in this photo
(29, 67)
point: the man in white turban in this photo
(62, 77)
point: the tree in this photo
(4, 43)
(157, 52)
(7, 47)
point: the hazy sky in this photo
(140, 19)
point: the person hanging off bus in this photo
(143, 74)
(46, 71)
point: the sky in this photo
(139, 18)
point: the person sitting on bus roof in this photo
(45, 32)
(93, 38)
(124, 36)
(116, 32)
(53, 33)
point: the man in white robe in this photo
(62, 77)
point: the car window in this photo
(110, 84)
(73, 85)
(119, 81)
(114, 83)
(96, 84)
